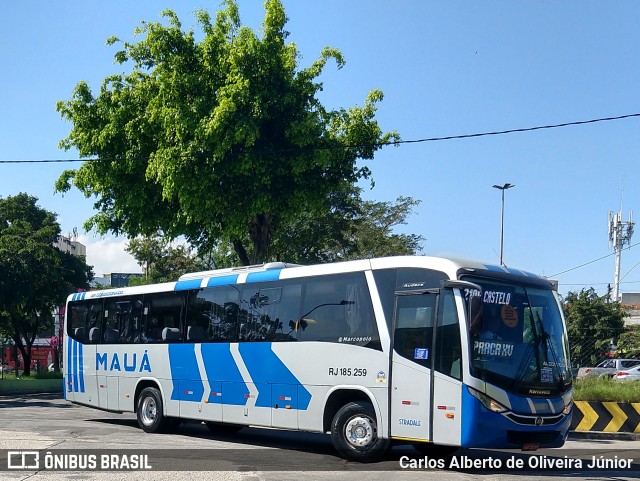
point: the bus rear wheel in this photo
(150, 412)
(354, 432)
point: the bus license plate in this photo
(530, 446)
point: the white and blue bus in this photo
(432, 351)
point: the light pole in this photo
(502, 188)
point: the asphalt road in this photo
(66, 433)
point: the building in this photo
(68, 244)
(631, 304)
(115, 279)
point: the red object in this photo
(622, 374)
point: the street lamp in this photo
(502, 188)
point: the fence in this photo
(620, 344)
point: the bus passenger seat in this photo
(94, 334)
(79, 333)
(170, 334)
(196, 333)
(111, 335)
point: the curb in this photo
(596, 435)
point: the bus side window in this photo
(413, 335)
(448, 346)
(111, 330)
(268, 309)
(199, 312)
(212, 314)
(83, 321)
(76, 320)
(130, 314)
(163, 317)
(338, 308)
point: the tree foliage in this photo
(163, 262)
(593, 324)
(349, 228)
(221, 138)
(629, 342)
(35, 276)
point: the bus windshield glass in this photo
(519, 342)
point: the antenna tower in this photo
(620, 233)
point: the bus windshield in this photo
(519, 342)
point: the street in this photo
(48, 423)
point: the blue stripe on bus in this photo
(220, 367)
(271, 275)
(74, 367)
(69, 376)
(81, 365)
(187, 385)
(265, 367)
(187, 285)
(222, 280)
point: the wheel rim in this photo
(148, 411)
(360, 431)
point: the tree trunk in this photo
(26, 358)
(241, 251)
(260, 233)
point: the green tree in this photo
(629, 342)
(593, 324)
(161, 261)
(35, 276)
(221, 139)
(349, 228)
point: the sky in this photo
(446, 68)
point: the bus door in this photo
(446, 397)
(412, 363)
(83, 332)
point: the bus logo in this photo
(129, 362)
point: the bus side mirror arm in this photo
(451, 284)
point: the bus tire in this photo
(150, 412)
(354, 433)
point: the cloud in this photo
(108, 255)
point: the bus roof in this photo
(453, 268)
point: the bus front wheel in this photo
(354, 432)
(150, 412)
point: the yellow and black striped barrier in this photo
(609, 417)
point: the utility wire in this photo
(384, 144)
(591, 262)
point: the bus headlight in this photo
(489, 403)
(567, 408)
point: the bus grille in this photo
(531, 420)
